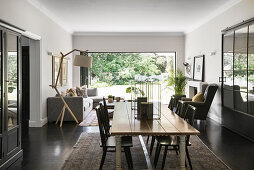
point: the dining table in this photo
(126, 123)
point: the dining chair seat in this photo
(169, 140)
(110, 113)
(126, 141)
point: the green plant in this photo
(110, 96)
(176, 81)
(135, 90)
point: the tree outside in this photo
(112, 73)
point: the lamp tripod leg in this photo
(61, 123)
(66, 105)
(59, 115)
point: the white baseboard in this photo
(39, 123)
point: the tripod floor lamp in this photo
(82, 60)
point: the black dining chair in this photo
(105, 119)
(108, 143)
(173, 141)
(178, 111)
(110, 112)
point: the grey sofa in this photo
(80, 107)
(92, 93)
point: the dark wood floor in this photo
(47, 147)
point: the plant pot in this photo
(118, 99)
(110, 100)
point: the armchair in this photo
(202, 107)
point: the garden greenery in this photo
(120, 68)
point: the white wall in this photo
(53, 38)
(207, 39)
(129, 43)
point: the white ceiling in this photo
(114, 16)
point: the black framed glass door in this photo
(238, 78)
(11, 93)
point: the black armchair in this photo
(202, 108)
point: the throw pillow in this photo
(71, 92)
(199, 97)
(79, 91)
(84, 89)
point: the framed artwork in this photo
(63, 78)
(198, 68)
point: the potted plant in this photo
(141, 96)
(110, 99)
(177, 81)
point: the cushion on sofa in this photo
(92, 92)
(96, 99)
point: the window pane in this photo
(12, 80)
(240, 62)
(228, 51)
(228, 98)
(228, 79)
(240, 101)
(251, 103)
(241, 40)
(240, 80)
(0, 81)
(251, 81)
(228, 61)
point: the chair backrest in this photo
(105, 119)
(179, 109)
(105, 105)
(210, 93)
(203, 88)
(189, 117)
(103, 135)
(170, 105)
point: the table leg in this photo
(118, 153)
(182, 153)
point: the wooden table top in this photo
(124, 123)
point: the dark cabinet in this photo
(238, 78)
(10, 128)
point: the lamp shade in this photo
(83, 61)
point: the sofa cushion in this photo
(96, 99)
(92, 92)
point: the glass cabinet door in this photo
(240, 59)
(12, 80)
(1, 109)
(228, 55)
(251, 70)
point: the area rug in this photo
(90, 119)
(86, 155)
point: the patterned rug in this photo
(90, 119)
(86, 155)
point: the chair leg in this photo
(147, 139)
(157, 155)
(176, 149)
(164, 157)
(152, 143)
(188, 157)
(128, 157)
(103, 157)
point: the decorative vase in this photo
(118, 99)
(139, 100)
(110, 100)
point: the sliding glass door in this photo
(10, 129)
(238, 79)
(11, 91)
